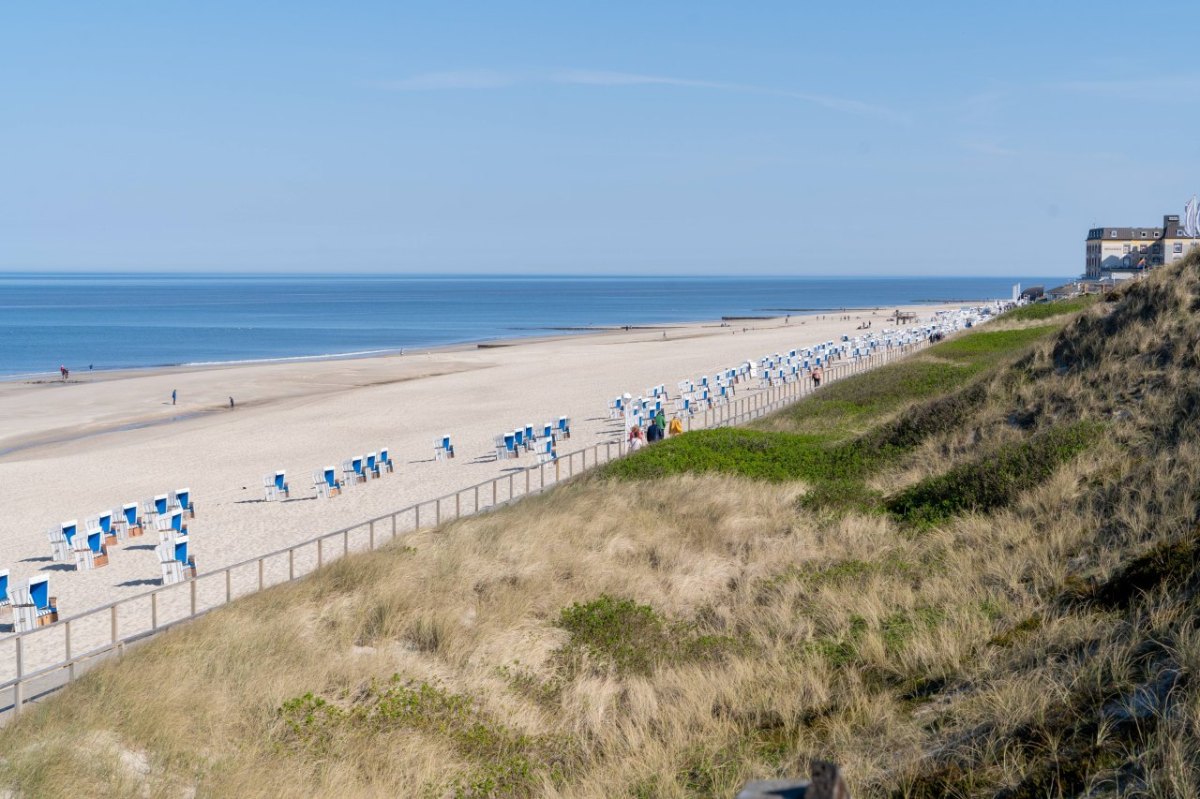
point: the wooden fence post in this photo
(18, 689)
(67, 652)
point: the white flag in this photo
(1191, 218)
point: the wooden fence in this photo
(43, 660)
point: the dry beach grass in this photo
(968, 574)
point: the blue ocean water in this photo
(117, 321)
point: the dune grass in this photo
(1049, 310)
(672, 632)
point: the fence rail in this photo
(47, 658)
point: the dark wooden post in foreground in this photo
(826, 783)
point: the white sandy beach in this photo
(74, 449)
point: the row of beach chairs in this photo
(89, 550)
(529, 439)
(778, 369)
(31, 605)
(359, 469)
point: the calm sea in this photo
(113, 321)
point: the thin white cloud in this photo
(456, 79)
(488, 79)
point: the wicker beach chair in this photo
(24, 612)
(359, 464)
(545, 450)
(181, 498)
(174, 561)
(60, 548)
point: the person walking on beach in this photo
(231, 403)
(172, 396)
(654, 432)
(817, 374)
(635, 438)
(676, 427)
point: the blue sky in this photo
(631, 138)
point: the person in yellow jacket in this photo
(676, 427)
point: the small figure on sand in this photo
(231, 403)
(63, 372)
(817, 374)
(172, 396)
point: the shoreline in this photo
(52, 436)
(536, 333)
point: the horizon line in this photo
(583, 275)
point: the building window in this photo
(1178, 248)
(1113, 234)
(1143, 234)
(1126, 249)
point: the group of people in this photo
(657, 430)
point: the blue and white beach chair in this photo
(165, 527)
(372, 465)
(24, 615)
(160, 504)
(545, 450)
(176, 564)
(519, 438)
(443, 448)
(510, 445)
(60, 548)
(281, 484)
(361, 473)
(326, 482)
(149, 512)
(4, 600)
(129, 518)
(42, 607)
(385, 460)
(564, 426)
(270, 492)
(89, 551)
(182, 498)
